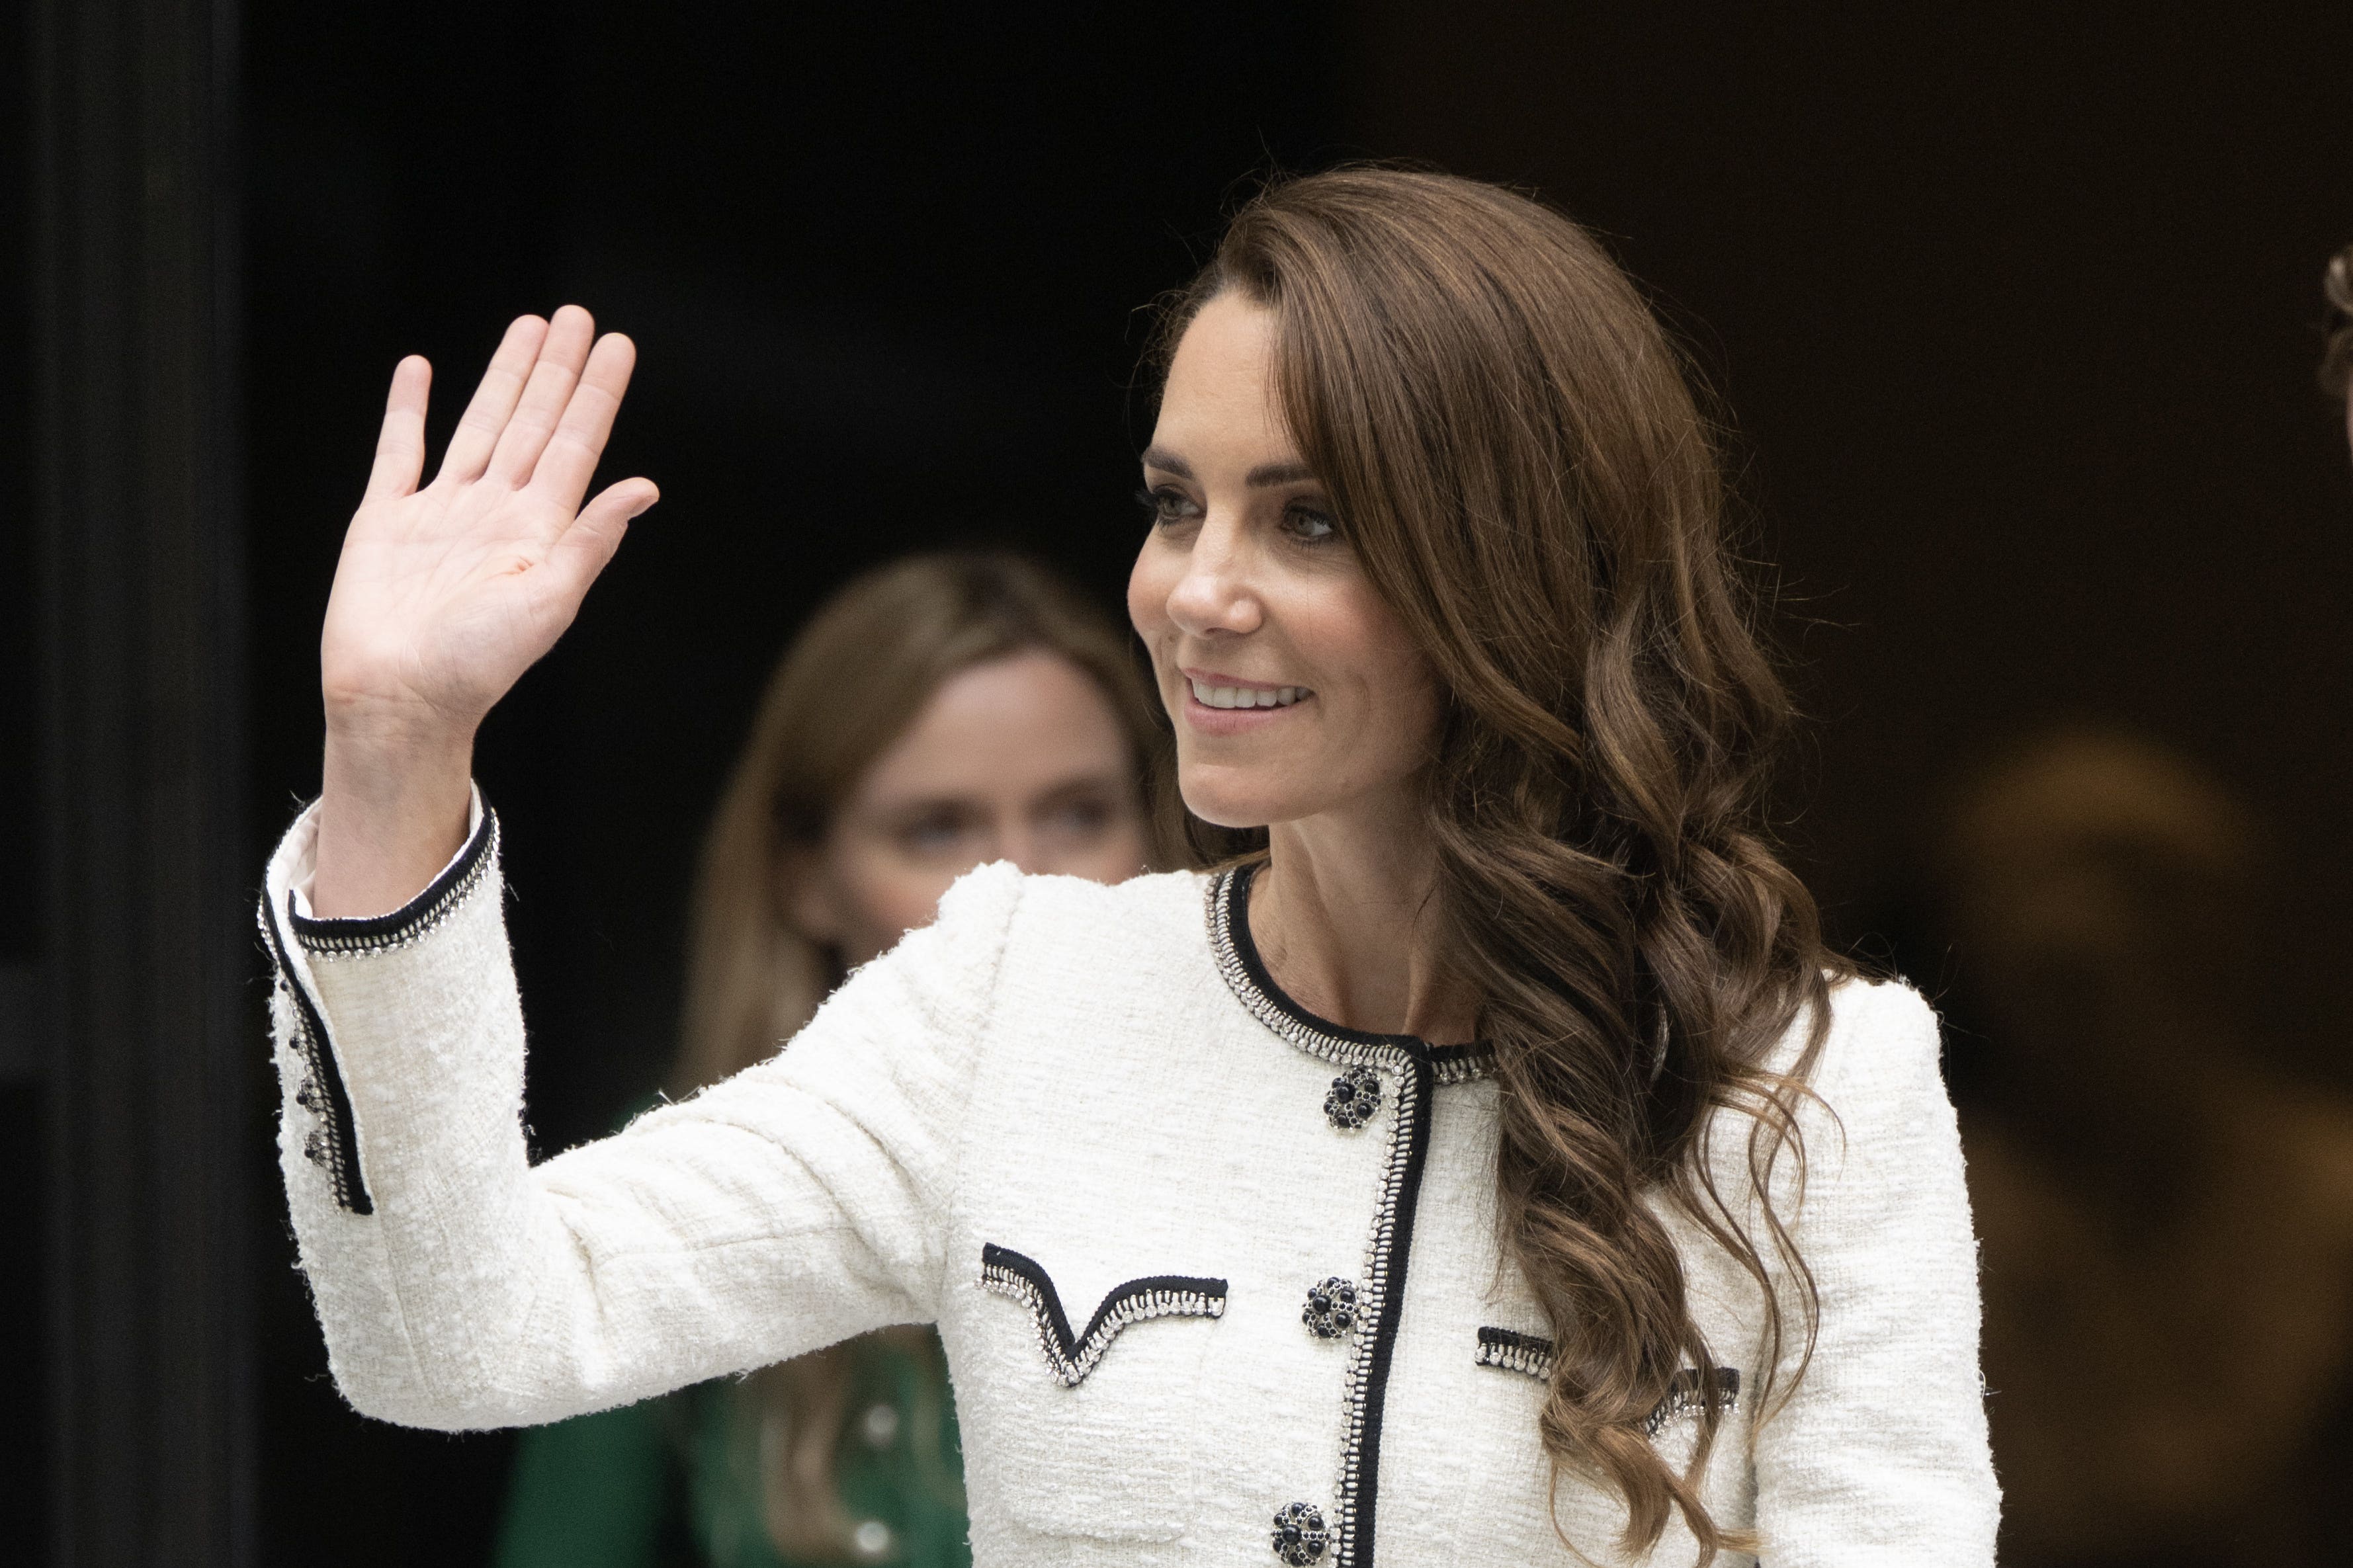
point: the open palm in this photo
(446, 594)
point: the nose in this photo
(1017, 843)
(1214, 597)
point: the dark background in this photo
(2017, 313)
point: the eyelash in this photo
(1156, 503)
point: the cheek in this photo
(890, 895)
(1149, 582)
(1403, 716)
(1395, 717)
(1119, 856)
(1397, 685)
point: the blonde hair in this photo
(848, 686)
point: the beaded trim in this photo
(1515, 1351)
(1238, 962)
(414, 920)
(1688, 1392)
(1419, 1067)
(1008, 1273)
(1368, 1367)
(333, 1144)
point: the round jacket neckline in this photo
(1245, 974)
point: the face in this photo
(1021, 758)
(1295, 688)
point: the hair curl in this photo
(1513, 451)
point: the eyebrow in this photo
(1264, 476)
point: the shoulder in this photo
(1875, 1107)
(1072, 912)
(1882, 1037)
(992, 894)
(1875, 1083)
(996, 918)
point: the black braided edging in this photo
(414, 920)
(1373, 1327)
(1417, 1066)
(1687, 1394)
(333, 1144)
(1516, 1351)
(1008, 1273)
(1449, 1064)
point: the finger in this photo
(493, 403)
(570, 460)
(400, 445)
(570, 332)
(584, 548)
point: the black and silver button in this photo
(1331, 1309)
(1355, 1099)
(1300, 1537)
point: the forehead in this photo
(1002, 729)
(1221, 391)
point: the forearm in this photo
(400, 1052)
(461, 1287)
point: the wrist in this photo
(394, 726)
(393, 807)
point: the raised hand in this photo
(446, 594)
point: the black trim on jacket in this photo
(333, 1144)
(1071, 1357)
(1688, 1392)
(1515, 1351)
(373, 934)
(1420, 1068)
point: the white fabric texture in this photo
(1064, 1070)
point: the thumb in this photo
(580, 553)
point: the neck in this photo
(1345, 916)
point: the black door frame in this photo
(147, 961)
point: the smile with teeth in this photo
(1209, 696)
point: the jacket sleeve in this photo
(461, 1287)
(1880, 1455)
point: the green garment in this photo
(676, 1481)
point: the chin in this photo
(1231, 797)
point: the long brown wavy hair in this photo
(1513, 446)
(848, 687)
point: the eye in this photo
(933, 833)
(1308, 523)
(1166, 505)
(1087, 816)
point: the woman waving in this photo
(1493, 1169)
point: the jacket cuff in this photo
(367, 935)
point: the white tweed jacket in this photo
(1218, 1282)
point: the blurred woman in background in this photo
(937, 714)
(2337, 363)
(2166, 1207)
